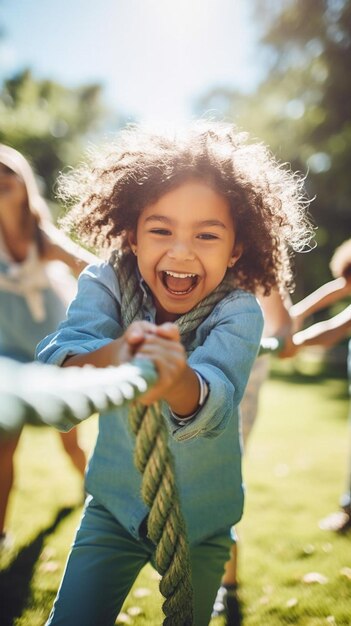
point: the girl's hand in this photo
(128, 345)
(164, 349)
(116, 352)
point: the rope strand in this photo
(152, 457)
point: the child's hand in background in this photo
(289, 348)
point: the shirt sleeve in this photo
(224, 360)
(93, 318)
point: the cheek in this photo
(144, 264)
(21, 197)
(16, 197)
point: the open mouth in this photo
(179, 283)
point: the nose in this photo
(181, 250)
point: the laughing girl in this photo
(193, 223)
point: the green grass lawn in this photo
(294, 467)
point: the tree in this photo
(302, 110)
(48, 122)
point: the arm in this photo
(325, 333)
(92, 319)
(59, 247)
(227, 345)
(324, 296)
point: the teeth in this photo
(180, 275)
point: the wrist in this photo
(185, 409)
(183, 396)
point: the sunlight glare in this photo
(180, 53)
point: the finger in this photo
(169, 366)
(167, 349)
(137, 331)
(169, 331)
(167, 342)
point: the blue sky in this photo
(153, 57)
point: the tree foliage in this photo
(48, 122)
(302, 110)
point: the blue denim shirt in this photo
(207, 449)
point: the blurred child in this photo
(280, 317)
(195, 223)
(327, 333)
(33, 292)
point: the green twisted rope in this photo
(165, 522)
(166, 526)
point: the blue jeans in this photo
(105, 561)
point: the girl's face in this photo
(184, 244)
(13, 193)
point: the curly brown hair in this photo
(266, 199)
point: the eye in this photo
(160, 231)
(207, 236)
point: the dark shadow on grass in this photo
(15, 580)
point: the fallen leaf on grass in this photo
(49, 566)
(308, 549)
(315, 577)
(327, 547)
(346, 571)
(141, 592)
(123, 618)
(134, 611)
(47, 554)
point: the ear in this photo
(132, 240)
(236, 254)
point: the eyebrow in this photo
(200, 224)
(211, 223)
(159, 218)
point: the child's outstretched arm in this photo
(326, 333)
(324, 296)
